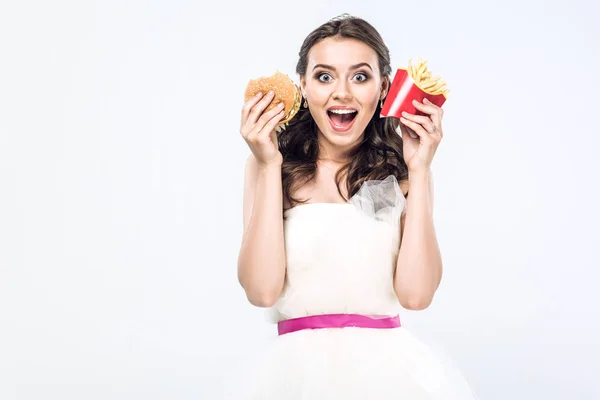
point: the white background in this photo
(121, 172)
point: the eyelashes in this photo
(363, 77)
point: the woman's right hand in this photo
(258, 128)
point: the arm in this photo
(419, 266)
(261, 260)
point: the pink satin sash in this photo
(338, 321)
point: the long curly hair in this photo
(380, 152)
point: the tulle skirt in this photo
(353, 363)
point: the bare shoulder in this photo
(403, 186)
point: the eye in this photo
(363, 77)
(322, 76)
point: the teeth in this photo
(342, 111)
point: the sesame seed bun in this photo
(285, 89)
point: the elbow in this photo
(261, 300)
(259, 295)
(413, 302)
(261, 278)
(415, 305)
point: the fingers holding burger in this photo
(284, 91)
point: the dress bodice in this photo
(341, 256)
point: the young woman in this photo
(339, 233)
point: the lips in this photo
(341, 119)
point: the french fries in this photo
(415, 82)
(424, 79)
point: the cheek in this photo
(368, 96)
(319, 96)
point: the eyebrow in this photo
(355, 66)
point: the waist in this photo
(338, 321)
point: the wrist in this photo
(270, 166)
(419, 174)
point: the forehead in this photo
(341, 53)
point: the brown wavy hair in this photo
(380, 152)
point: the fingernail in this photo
(259, 94)
(415, 102)
(426, 100)
(270, 92)
(404, 113)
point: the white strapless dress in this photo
(340, 259)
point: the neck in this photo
(331, 153)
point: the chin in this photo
(342, 139)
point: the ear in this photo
(385, 87)
(303, 85)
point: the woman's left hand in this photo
(421, 135)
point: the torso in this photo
(322, 189)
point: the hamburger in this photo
(285, 90)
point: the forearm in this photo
(419, 265)
(261, 262)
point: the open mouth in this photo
(341, 119)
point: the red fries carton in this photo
(413, 83)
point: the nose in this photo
(341, 91)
